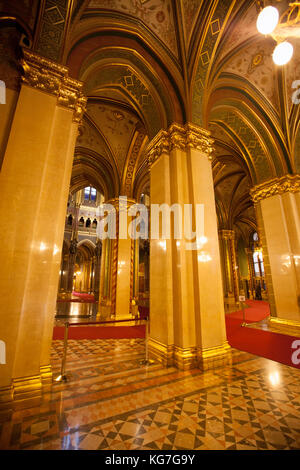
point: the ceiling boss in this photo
(282, 23)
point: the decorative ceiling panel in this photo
(157, 15)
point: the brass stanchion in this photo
(62, 376)
(242, 305)
(147, 361)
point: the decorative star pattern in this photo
(113, 402)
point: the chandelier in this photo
(280, 27)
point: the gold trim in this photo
(284, 322)
(218, 356)
(185, 358)
(50, 77)
(27, 387)
(285, 184)
(227, 234)
(190, 358)
(46, 377)
(182, 137)
(161, 352)
(6, 396)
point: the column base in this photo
(161, 352)
(46, 377)
(6, 396)
(212, 358)
(190, 358)
(185, 358)
(6, 403)
(27, 387)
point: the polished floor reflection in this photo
(113, 402)
(76, 309)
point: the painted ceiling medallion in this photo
(118, 115)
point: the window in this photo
(258, 263)
(255, 237)
(93, 194)
(90, 194)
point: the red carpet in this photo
(84, 297)
(100, 332)
(274, 346)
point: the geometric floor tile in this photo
(112, 402)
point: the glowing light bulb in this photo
(267, 20)
(283, 53)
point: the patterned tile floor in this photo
(112, 402)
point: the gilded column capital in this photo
(182, 137)
(120, 203)
(159, 145)
(50, 77)
(227, 234)
(285, 184)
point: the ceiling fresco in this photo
(117, 126)
(148, 63)
(157, 15)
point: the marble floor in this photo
(113, 402)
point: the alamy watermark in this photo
(2, 352)
(296, 353)
(176, 222)
(296, 94)
(2, 92)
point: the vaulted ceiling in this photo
(148, 63)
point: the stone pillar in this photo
(97, 268)
(251, 270)
(124, 269)
(71, 266)
(117, 267)
(38, 158)
(63, 274)
(187, 319)
(277, 205)
(230, 265)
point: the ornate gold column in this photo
(187, 319)
(116, 283)
(34, 185)
(230, 265)
(97, 268)
(251, 270)
(277, 204)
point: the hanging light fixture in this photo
(269, 22)
(283, 53)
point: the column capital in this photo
(182, 137)
(227, 234)
(120, 203)
(51, 77)
(285, 184)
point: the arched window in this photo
(81, 222)
(258, 263)
(90, 194)
(70, 219)
(88, 222)
(95, 223)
